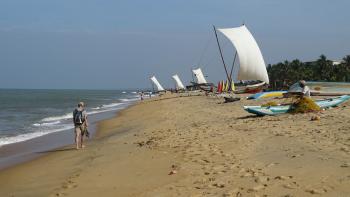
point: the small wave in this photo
(28, 136)
(134, 92)
(56, 118)
(47, 123)
(124, 92)
(105, 110)
(129, 99)
(111, 105)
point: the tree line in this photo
(284, 74)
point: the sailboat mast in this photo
(233, 65)
(152, 87)
(222, 57)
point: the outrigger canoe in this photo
(270, 94)
(281, 109)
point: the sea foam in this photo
(28, 136)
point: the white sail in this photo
(155, 81)
(199, 75)
(179, 84)
(251, 62)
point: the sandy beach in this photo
(196, 146)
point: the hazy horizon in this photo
(120, 44)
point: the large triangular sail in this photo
(179, 84)
(251, 62)
(199, 75)
(157, 84)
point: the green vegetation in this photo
(304, 105)
(284, 74)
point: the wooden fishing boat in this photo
(251, 66)
(200, 83)
(178, 83)
(157, 84)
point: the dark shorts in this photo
(80, 129)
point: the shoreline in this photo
(196, 146)
(25, 151)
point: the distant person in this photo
(305, 90)
(141, 95)
(150, 94)
(80, 125)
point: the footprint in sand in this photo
(57, 194)
(69, 184)
(315, 191)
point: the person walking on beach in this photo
(305, 89)
(80, 124)
(141, 95)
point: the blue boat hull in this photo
(275, 110)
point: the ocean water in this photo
(27, 114)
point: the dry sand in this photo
(212, 149)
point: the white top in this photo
(251, 62)
(306, 91)
(155, 81)
(179, 84)
(199, 75)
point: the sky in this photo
(119, 44)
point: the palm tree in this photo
(346, 69)
(346, 60)
(325, 68)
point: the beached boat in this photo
(323, 88)
(157, 84)
(270, 94)
(178, 83)
(200, 83)
(251, 66)
(281, 109)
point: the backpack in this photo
(78, 117)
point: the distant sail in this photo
(199, 75)
(178, 82)
(251, 62)
(155, 81)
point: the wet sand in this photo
(197, 146)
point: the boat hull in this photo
(252, 89)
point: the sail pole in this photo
(222, 57)
(233, 65)
(152, 87)
(192, 75)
